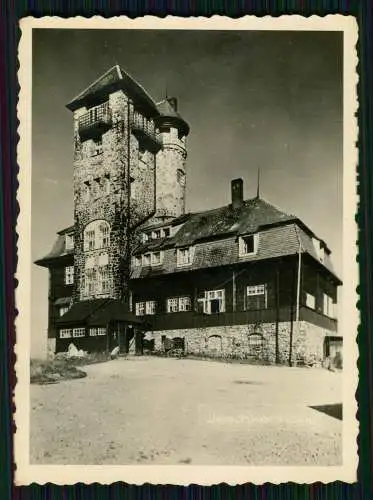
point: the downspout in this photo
(298, 295)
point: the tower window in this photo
(69, 241)
(181, 177)
(97, 146)
(69, 275)
(96, 235)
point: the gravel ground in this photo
(168, 411)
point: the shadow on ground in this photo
(334, 410)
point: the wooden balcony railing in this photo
(146, 132)
(96, 121)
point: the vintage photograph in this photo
(191, 288)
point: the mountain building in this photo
(241, 280)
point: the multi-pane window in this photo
(184, 256)
(140, 308)
(69, 241)
(214, 301)
(103, 279)
(65, 333)
(78, 332)
(248, 244)
(96, 235)
(156, 234)
(69, 275)
(150, 306)
(94, 332)
(256, 297)
(90, 281)
(63, 310)
(310, 301)
(176, 304)
(328, 306)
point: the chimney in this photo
(237, 193)
(173, 102)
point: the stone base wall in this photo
(245, 341)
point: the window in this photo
(181, 178)
(78, 332)
(63, 310)
(137, 260)
(176, 304)
(96, 235)
(248, 245)
(184, 256)
(156, 258)
(255, 343)
(166, 232)
(150, 306)
(106, 185)
(146, 259)
(156, 234)
(214, 302)
(94, 332)
(90, 281)
(256, 297)
(140, 308)
(69, 275)
(86, 192)
(103, 279)
(69, 241)
(97, 146)
(328, 306)
(89, 240)
(145, 237)
(310, 301)
(65, 333)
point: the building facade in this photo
(243, 280)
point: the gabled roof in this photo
(211, 224)
(115, 78)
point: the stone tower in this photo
(115, 148)
(171, 159)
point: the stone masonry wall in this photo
(171, 175)
(234, 341)
(109, 166)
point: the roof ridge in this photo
(93, 83)
(137, 83)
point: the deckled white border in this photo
(203, 475)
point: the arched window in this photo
(96, 235)
(255, 344)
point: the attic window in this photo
(69, 241)
(166, 232)
(156, 234)
(248, 245)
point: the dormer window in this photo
(156, 234)
(69, 241)
(145, 237)
(166, 232)
(248, 244)
(184, 256)
(146, 259)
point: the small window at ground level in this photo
(78, 332)
(65, 333)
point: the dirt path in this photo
(168, 411)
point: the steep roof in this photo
(58, 250)
(169, 115)
(115, 78)
(210, 224)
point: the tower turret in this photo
(171, 159)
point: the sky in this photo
(253, 99)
